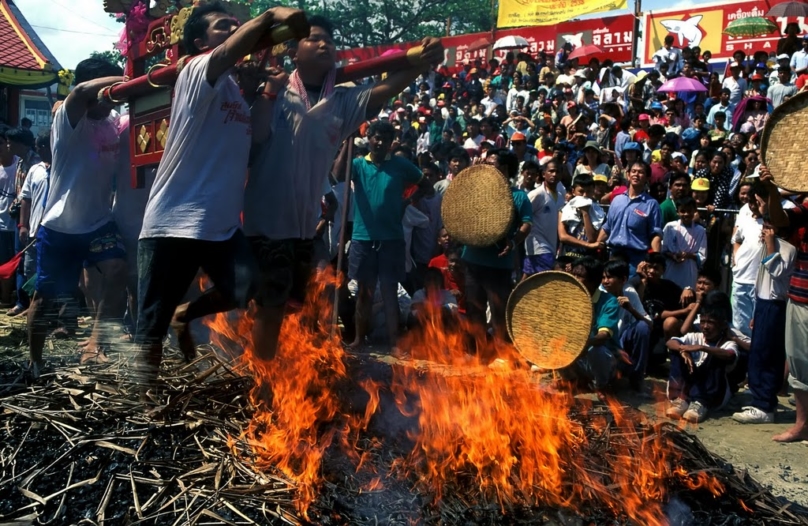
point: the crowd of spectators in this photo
(653, 199)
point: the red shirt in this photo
(798, 288)
(450, 281)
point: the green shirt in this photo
(605, 317)
(669, 213)
(379, 197)
(489, 256)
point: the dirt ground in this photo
(781, 467)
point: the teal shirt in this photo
(605, 316)
(489, 256)
(379, 197)
(669, 213)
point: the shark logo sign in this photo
(688, 31)
(688, 28)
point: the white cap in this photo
(783, 56)
(755, 174)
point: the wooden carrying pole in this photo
(346, 197)
(160, 77)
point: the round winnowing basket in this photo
(783, 142)
(477, 208)
(549, 316)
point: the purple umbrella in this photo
(682, 85)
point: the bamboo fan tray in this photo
(549, 316)
(477, 207)
(782, 145)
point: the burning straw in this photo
(440, 439)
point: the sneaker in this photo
(753, 415)
(695, 413)
(677, 408)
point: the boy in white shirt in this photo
(746, 256)
(192, 217)
(767, 355)
(77, 227)
(684, 242)
(700, 361)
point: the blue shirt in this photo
(633, 223)
(489, 256)
(799, 60)
(378, 197)
(726, 109)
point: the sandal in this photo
(15, 311)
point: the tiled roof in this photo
(21, 47)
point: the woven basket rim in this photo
(535, 282)
(483, 184)
(796, 103)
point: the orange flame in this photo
(492, 428)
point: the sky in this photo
(72, 29)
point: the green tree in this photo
(360, 23)
(112, 55)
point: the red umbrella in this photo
(480, 43)
(585, 51)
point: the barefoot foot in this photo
(93, 355)
(795, 434)
(182, 329)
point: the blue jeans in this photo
(636, 341)
(767, 355)
(707, 384)
(743, 307)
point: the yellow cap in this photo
(598, 178)
(700, 185)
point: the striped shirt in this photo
(798, 288)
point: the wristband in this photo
(414, 56)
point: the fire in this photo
(494, 430)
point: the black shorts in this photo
(167, 267)
(284, 269)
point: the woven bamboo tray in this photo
(782, 145)
(549, 316)
(477, 208)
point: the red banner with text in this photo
(612, 34)
(703, 26)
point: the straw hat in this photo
(549, 316)
(477, 208)
(782, 144)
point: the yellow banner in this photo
(517, 13)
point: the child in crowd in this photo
(746, 258)
(767, 355)
(684, 243)
(634, 324)
(577, 232)
(432, 298)
(699, 362)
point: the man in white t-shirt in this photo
(8, 175)
(547, 200)
(297, 139)
(192, 217)
(77, 228)
(32, 201)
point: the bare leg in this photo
(391, 312)
(266, 330)
(672, 328)
(110, 307)
(210, 302)
(364, 307)
(38, 313)
(799, 431)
